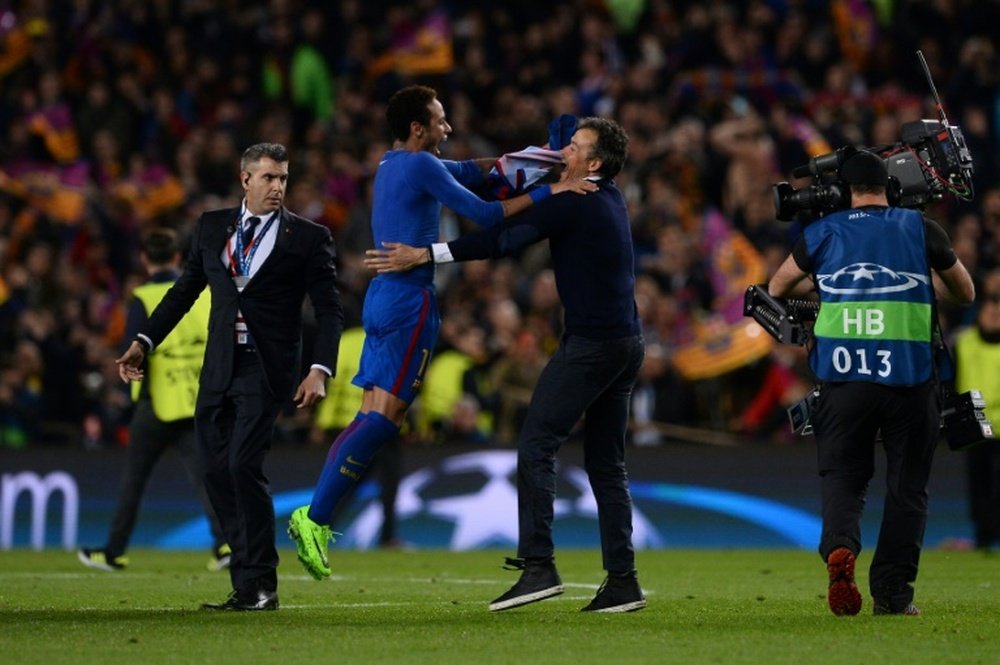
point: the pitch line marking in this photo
(428, 580)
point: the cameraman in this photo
(874, 268)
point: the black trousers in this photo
(235, 429)
(149, 437)
(847, 420)
(592, 379)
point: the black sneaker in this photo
(617, 594)
(881, 609)
(230, 603)
(539, 580)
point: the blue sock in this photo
(329, 470)
(348, 459)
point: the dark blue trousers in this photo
(592, 379)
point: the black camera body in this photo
(963, 421)
(931, 160)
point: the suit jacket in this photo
(301, 263)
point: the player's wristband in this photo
(540, 193)
(430, 255)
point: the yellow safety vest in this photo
(442, 390)
(978, 366)
(343, 398)
(172, 368)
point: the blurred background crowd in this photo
(117, 116)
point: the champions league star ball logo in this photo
(470, 501)
(869, 279)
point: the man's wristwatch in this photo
(430, 254)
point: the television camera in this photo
(931, 159)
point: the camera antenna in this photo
(958, 158)
(930, 82)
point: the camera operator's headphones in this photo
(894, 191)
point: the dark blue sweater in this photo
(592, 257)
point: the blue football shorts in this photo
(401, 324)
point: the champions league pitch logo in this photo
(469, 501)
(476, 494)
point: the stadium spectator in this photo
(671, 73)
(513, 376)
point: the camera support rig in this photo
(963, 419)
(784, 319)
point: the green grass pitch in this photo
(713, 606)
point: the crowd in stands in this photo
(117, 116)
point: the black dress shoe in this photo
(260, 601)
(229, 603)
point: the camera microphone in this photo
(822, 164)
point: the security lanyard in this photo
(241, 260)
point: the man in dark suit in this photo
(260, 261)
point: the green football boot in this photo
(311, 541)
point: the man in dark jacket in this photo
(260, 261)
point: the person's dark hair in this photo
(160, 246)
(611, 146)
(407, 105)
(867, 189)
(258, 151)
(865, 172)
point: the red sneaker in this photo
(843, 595)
